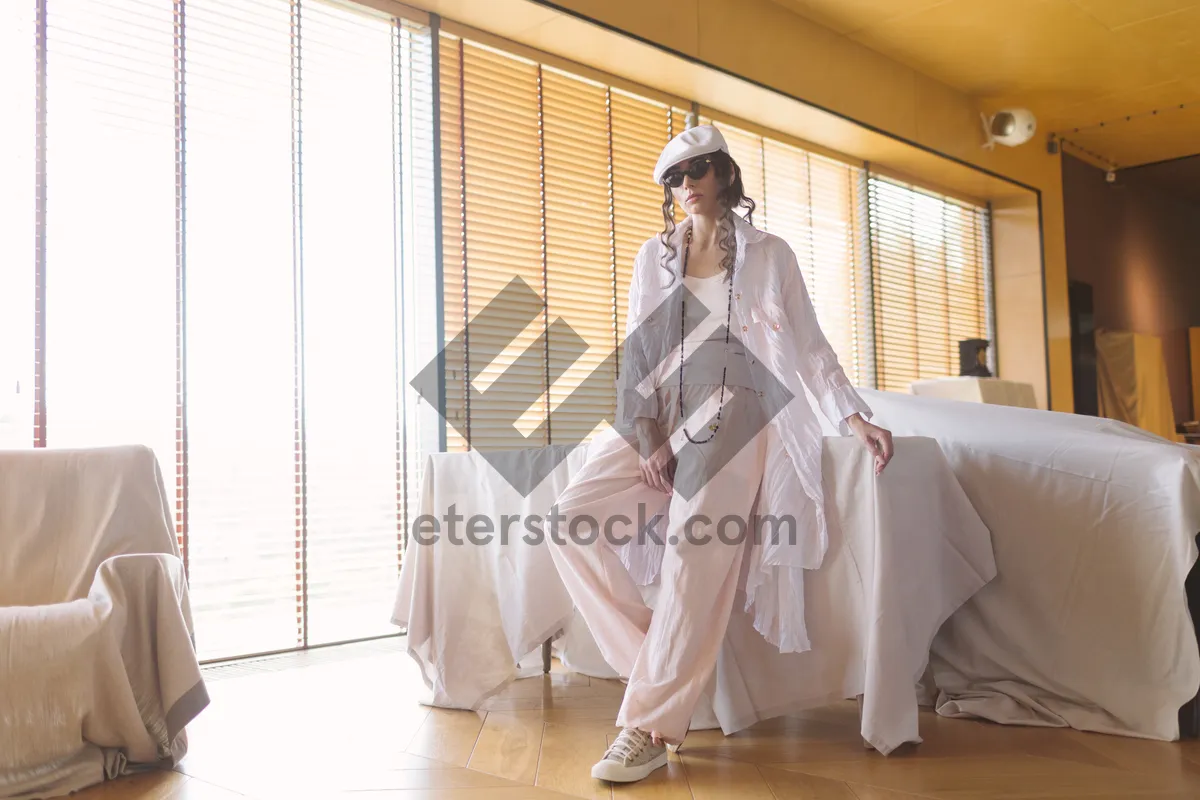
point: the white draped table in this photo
(906, 550)
(1094, 523)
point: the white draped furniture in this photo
(1086, 624)
(905, 551)
(98, 676)
(1094, 524)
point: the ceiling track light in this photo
(1110, 166)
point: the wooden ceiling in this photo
(1075, 63)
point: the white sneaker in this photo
(631, 757)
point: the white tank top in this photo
(704, 365)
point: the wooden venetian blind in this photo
(546, 178)
(817, 205)
(420, 283)
(931, 267)
(579, 254)
(301, 293)
(747, 150)
(352, 309)
(640, 129)
(110, 221)
(498, 207)
(192, 258)
(241, 514)
(18, 193)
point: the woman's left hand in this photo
(874, 438)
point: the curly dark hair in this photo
(731, 198)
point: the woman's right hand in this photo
(657, 460)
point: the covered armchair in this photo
(98, 673)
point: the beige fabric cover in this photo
(1132, 382)
(1085, 625)
(1094, 522)
(98, 675)
(904, 552)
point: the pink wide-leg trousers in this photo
(669, 654)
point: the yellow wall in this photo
(765, 43)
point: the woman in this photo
(720, 327)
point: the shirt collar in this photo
(744, 233)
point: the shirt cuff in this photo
(840, 404)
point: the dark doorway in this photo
(1083, 348)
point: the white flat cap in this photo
(698, 141)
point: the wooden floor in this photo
(345, 722)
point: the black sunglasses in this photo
(696, 170)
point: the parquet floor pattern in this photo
(345, 722)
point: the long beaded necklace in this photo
(713, 427)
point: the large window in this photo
(240, 518)
(223, 236)
(18, 212)
(110, 211)
(305, 183)
(931, 273)
(544, 182)
(816, 205)
(231, 240)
